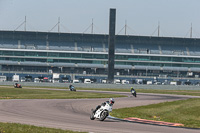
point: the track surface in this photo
(73, 114)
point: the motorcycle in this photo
(72, 88)
(133, 92)
(101, 113)
(17, 85)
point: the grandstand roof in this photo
(102, 38)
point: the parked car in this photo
(87, 81)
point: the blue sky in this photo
(142, 16)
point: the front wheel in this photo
(103, 116)
(134, 94)
(92, 115)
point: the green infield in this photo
(184, 111)
(160, 91)
(21, 128)
(176, 92)
(21, 93)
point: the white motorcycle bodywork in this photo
(98, 113)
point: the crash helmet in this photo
(131, 87)
(111, 101)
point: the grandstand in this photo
(79, 53)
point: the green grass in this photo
(186, 112)
(20, 128)
(20, 93)
(176, 92)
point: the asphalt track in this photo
(73, 114)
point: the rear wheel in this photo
(103, 116)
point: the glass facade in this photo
(98, 58)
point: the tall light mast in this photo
(158, 29)
(191, 31)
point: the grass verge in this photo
(21, 128)
(176, 92)
(184, 111)
(20, 93)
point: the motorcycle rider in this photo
(16, 84)
(70, 87)
(111, 101)
(133, 92)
